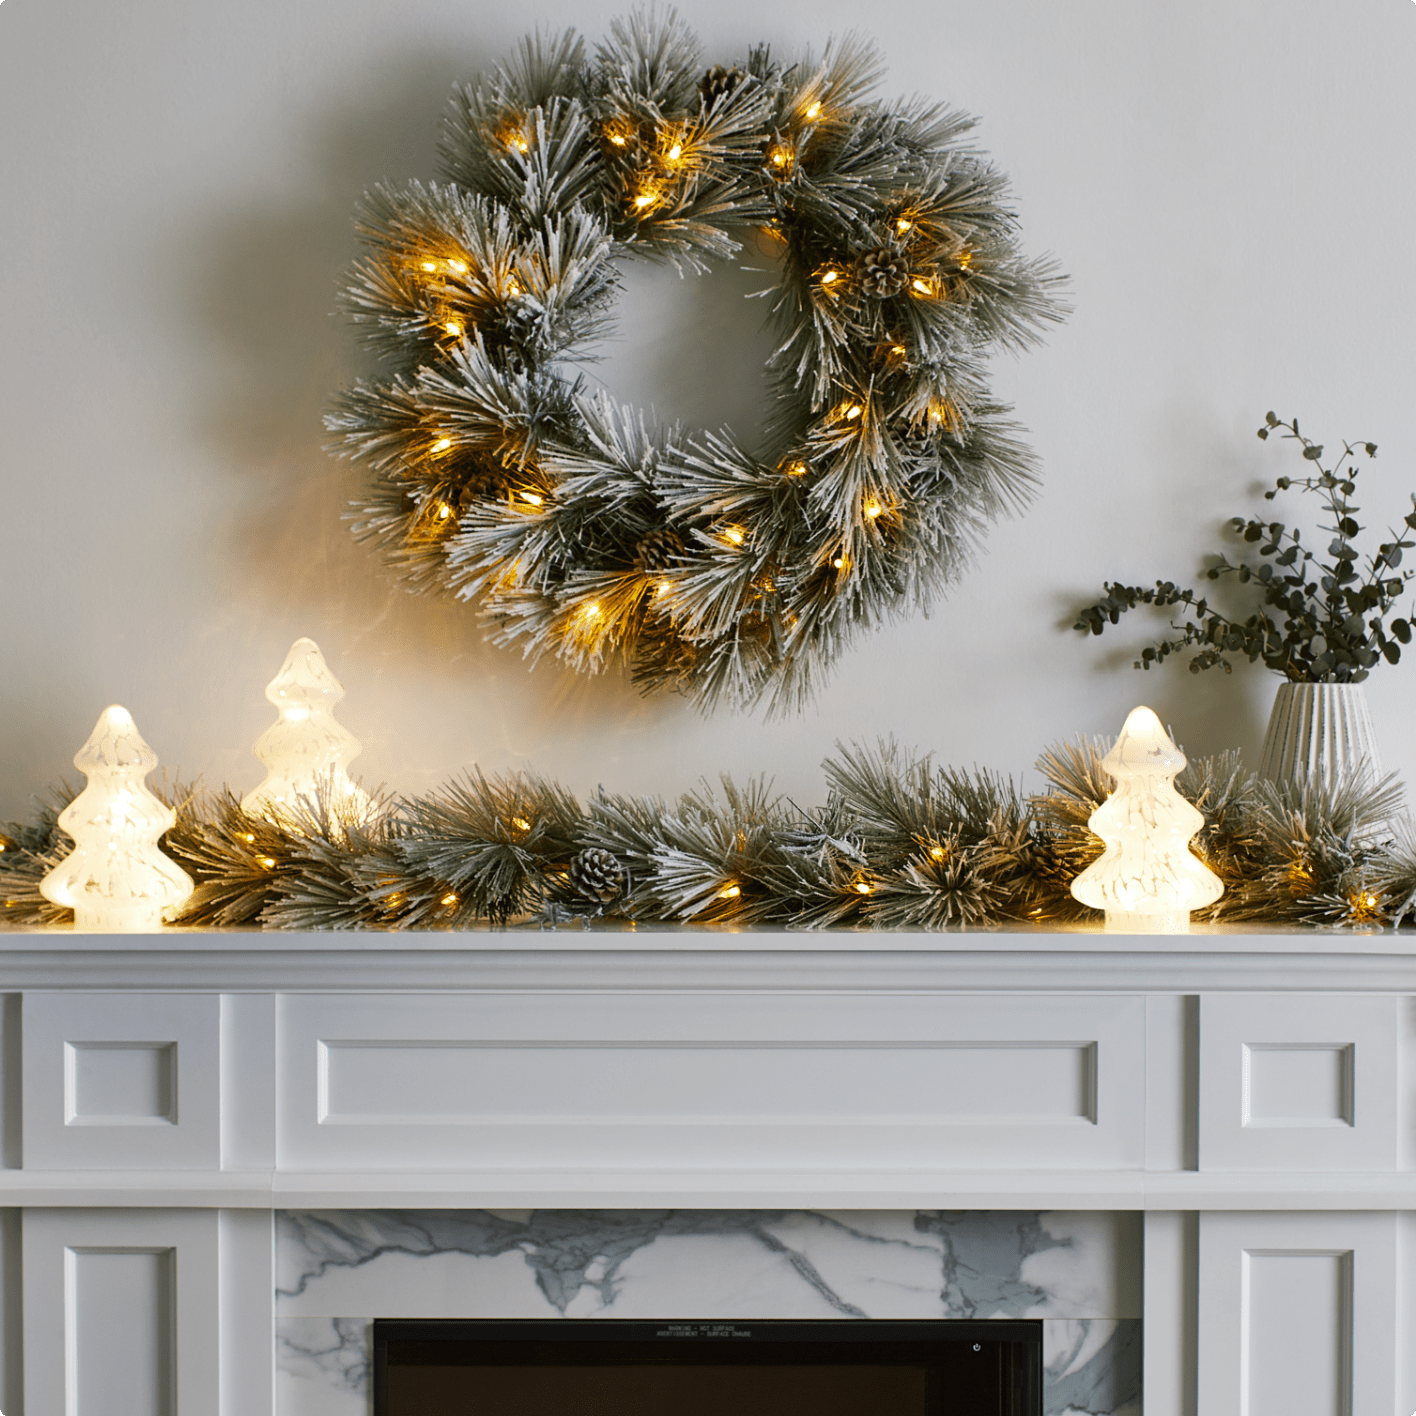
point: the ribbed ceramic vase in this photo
(1318, 727)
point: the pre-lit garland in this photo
(900, 844)
(580, 531)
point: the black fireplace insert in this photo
(768, 1367)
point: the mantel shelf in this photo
(1020, 958)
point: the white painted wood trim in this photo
(51, 1238)
(1366, 1243)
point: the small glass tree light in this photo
(305, 750)
(1148, 879)
(116, 879)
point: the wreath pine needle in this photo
(495, 477)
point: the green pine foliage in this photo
(492, 476)
(902, 843)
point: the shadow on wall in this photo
(1211, 711)
(266, 301)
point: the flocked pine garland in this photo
(584, 533)
(900, 844)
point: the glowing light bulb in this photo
(873, 509)
(449, 899)
(903, 225)
(430, 266)
(444, 511)
(734, 534)
(591, 610)
(116, 879)
(521, 823)
(831, 277)
(644, 199)
(533, 497)
(797, 469)
(862, 888)
(1147, 880)
(617, 139)
(454, 328)
(839, 562)
(814, 111)
(664, 587)
(266, 862)
(512, 288)
(730, 892)
(459, 266)
(305, 750)
(937, 852)
(675, 152)
(854, 411)
(442, 444)
(921, 286)
(898, 350)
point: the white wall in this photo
(1228, 181)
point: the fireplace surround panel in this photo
(1189, 1159)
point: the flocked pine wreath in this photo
(579, 529)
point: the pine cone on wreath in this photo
(493, 483)
(657, 550)
(883, 272)
(597, 875)
(717, 83)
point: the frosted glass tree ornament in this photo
(305, 750)
(1148, 879)
(116, 878)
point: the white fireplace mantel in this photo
(1252, 1091)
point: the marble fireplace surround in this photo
(1080, 1272)
(1191, 1157)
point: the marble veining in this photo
(1080, 1272)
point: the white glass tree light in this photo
(116, 878)
(1148, 879)
(305, 750)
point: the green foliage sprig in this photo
(1323, 616)
(901, 843)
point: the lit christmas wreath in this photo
(581, 531)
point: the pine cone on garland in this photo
(717, 83)
(658, 550)
(883, 272)
(597, 875)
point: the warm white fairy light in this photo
(116, 878)
(1147, 880)
(442, 445)
(305, 750)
